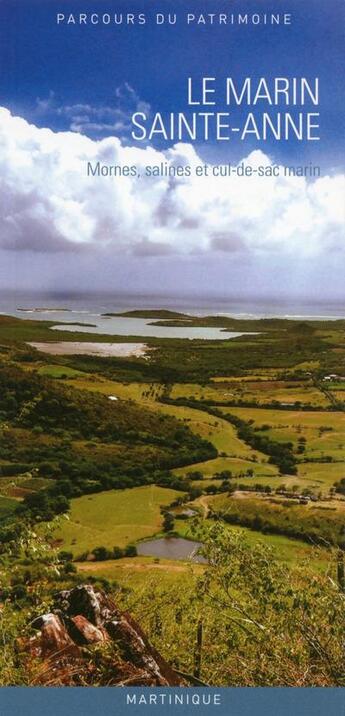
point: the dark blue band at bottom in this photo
(17, 701)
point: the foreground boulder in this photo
(86, 639)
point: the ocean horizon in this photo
(97, 303)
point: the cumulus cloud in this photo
(97, 120)
(49, 204)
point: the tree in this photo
(101, 553)
(65, 556)
(117, 553)
(130, 550)
(285, 626)
(168, 522)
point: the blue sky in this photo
(76, 65)
(61, 229)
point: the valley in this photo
(101, 452)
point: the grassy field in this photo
(140, 571)
(260, 390)
(7, 506)
(236, 455)
(315, 523)
(140, 392)
(291, 551)
(113, 518)
(267, 373)
(58, 371)
(318, 477)
(324, 432)
(285, 426)
(237, 467)
(338, 385)
(82, 380)
(116, 518)
(56, 422)
(219, 432)
(323, 475)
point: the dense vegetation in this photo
(242, 620)
(280, 454)
(315, 524)
(85, 443)
(278, 343)
(261, 625)
(65, 447)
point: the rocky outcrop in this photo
(86, 639)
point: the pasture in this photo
(238, 468)
(140, 392)
(218, 431)
(315, 523)
(324, 432)
(58, 371)
(141, 571)
(113, 518)
(259, 390)
(7, 507)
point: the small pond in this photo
(171, 548)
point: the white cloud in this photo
(48, 203)
(98, 120)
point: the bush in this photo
(101, 553)
(117, 553)
(130, 551)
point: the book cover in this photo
(172, 372)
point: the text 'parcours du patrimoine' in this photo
(282, 108)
